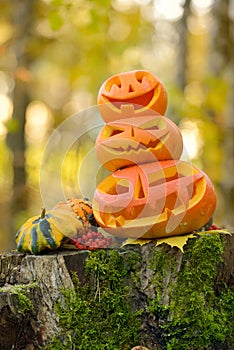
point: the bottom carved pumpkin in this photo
(154, 200)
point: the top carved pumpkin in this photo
(131, 94)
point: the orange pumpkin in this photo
(131, 94)
(138, 140)
(153, 200)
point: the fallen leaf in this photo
(175, 241)
(137, 241)
(224, 231)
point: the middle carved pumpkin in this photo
(153, 200)
(138, 140)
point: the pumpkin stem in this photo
(43, 212)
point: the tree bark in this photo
(41, 278)
(222, 65)
(31, 285)
(182, 29)
(22, 12)
(228, 180)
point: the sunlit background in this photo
(55, 54)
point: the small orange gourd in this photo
(82, 207)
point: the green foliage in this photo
(56, 20)
(205, 104)
(98, 316)
(12, 126)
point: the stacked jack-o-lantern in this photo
(151, 193)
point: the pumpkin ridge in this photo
(46, 230)
(21, 241)
(17, 234)
(34, 243)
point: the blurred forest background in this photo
(55, 54)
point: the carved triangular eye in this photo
(154, 124)
(115, 81)
(139, 79)
(109, 131)
(139, 188)
(144, 78)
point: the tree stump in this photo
(30, 286)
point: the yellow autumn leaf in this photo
(137, 241)
(180, 241)
(223, 231)
(175, 241)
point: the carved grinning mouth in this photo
(138, 101)
(136, 146)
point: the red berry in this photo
(213, 227)
(89, 235)
(102, 243)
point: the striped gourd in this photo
(47, 231)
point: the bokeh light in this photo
(39, 121)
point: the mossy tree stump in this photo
(159, 297)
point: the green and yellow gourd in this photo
(47, 231)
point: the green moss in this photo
(21, 296)
(197, 317)
(188, 308)
(98, 315)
